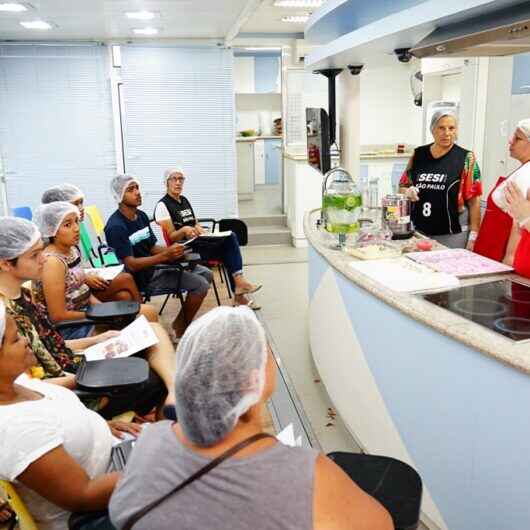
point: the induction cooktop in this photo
(502, 306)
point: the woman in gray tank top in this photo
(225, 375)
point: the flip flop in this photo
(248, 290)
(252, 304)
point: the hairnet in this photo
(63, 192)
(439, 114)
(524, 125)
(2, 320)
(17, 236)
(220, 372)
(169, 172)
(119, 184)
(49, 217)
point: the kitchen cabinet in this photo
(259, 162)
(273, 161)
(257, 75)
(245, 170)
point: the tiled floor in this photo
(267, 201)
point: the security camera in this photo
(355, 69)
(403, 54)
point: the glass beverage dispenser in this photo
(341, 204)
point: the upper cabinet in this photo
(260, 74)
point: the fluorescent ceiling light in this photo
(298, 3)
(297, 19)
(36, 24)
(146, 31)
(140, 15)
(263, 49)
(12, 7)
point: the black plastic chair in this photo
(396, 485)
(114, 314)
(237, 226)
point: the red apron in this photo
(495, 230)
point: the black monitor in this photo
(317, 127)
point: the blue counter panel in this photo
(462, 415)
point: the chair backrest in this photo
(25, 521)
(24, 212)
(160, 234)
(86, 245)
(96, 219)
(237, 226)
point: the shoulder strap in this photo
(208, 467)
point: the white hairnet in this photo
(48, 217)
(439, 114)
(524, 125)
(63, 192)
(119, 184)
(2, 321)
(220, 372)
(17, 236)
(169, 172)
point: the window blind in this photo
(56, 121)
(178, 109)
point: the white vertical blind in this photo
(56, 121)
(179, 110)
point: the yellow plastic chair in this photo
(25, 521)
(97, 221)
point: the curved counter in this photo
(416, 382)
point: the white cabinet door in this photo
(244, 75)
(259, 162)
(245, 169)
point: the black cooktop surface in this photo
(502, 306)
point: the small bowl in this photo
(424, 245)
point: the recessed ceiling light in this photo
(262, 49)
(145, 31)
(140, 15)
(36, 24)
(298, 3)
(12, 7)
(296, 19)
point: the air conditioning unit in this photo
(301, 49)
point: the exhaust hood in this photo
(502, 32)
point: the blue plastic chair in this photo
(24, 212)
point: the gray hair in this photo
(439, 114)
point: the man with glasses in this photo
(175, 215)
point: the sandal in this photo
(248, 290)
(252, 304)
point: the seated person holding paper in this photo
(504, 232)
(129, 234)
(121, 287)
(21, 260)
(63, 288)
(175, 215)
(226, 374)
(53, 448)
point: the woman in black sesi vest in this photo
(441, 179)
(175, 215)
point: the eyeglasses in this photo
(177, 179)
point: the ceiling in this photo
(178, 19)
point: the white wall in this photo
(250, 106)
(388, 113)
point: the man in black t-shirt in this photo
(128, 232)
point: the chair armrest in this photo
(73, 323)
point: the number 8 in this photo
(426, 209)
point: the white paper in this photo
(405, 276)
(135, 337)
(106, 273)
(217, 234)
(286, 436)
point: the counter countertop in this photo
(449, 324)
(301, 156)
(254, 138)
